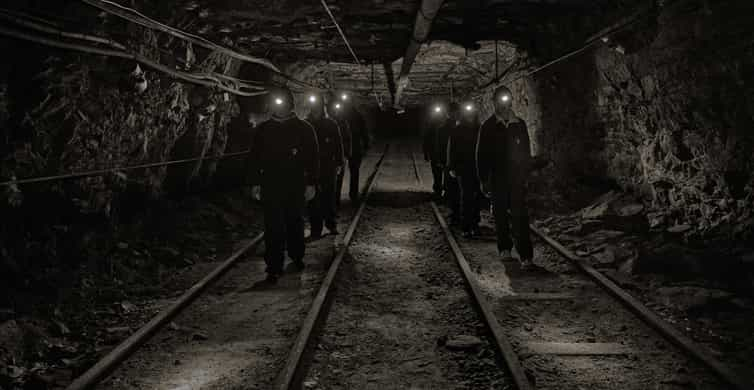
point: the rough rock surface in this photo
(657, 112)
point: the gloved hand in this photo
(452, 173)
(256, 192)
(309, 193)
(338, 170)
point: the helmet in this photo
(315, 98)
(438, 108)
(281, 99)
(503, 95)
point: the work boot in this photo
(529, 265)
(269, 282)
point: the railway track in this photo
(545, 336)
(393, 306)
(548, 308)
(395, 312)
(128, 347)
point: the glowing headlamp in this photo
(337, 106)
(312, 99)
(344, 97)
(505, 98)
(279, 101)
(469, 108)
(438, 109)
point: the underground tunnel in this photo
(376, 194)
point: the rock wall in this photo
(63, 112)
(663, 110)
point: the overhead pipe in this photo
(424, 19)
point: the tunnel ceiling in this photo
(461, 48)
(300, 37)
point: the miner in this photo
(322, 209)
(462, 167)
(452, 191)
(356, 145)
(504, 162)
(432, 154)
(338, 114)
(284, 168)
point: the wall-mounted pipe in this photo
(424, 19)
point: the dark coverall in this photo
(323, 209)
(435, 156)
(504, 162)
(356, 142)
(284, 159)
(345, 136)
(462, 160)
(452, 192)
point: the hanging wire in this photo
(207, 80)
(100, 172)
(30, 23)
(342, 34)
(636, 18)
(135, 16)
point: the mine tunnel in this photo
(376, 194)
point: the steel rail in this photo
(126, 348)
(100, 172)
(504, 347)
(291, 373)
(700, 353)
(636, 307)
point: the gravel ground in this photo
(235, 336)
(585, 314)
(401, 306)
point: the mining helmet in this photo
(437, 109)
(314, 99)
(281, 99)
(503, 96)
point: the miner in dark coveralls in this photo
(432, 154)
(284, 162)
(337, 114)
(504, 164)
(323, 209)
(462, 167)
(452, 191)
(356, 144)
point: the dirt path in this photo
(540, 309)
(400, 303)
(234, 336)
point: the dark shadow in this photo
(398, 199)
